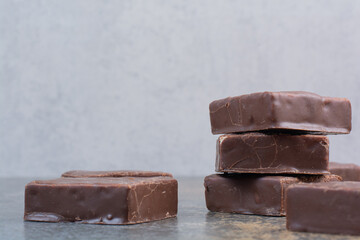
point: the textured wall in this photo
(126, 84)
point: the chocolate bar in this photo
(281, 112)
(348, 171)
(121, 173)
(324, 208)
(253, 194)
(108, 200)
(263, 153)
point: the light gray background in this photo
(126, 84)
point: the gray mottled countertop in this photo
(194, 221)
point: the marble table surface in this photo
(194, 221)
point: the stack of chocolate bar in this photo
(271, 140)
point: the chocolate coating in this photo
(121, 200)
(348, 171)
(122, 173)
(324, 207)
(281, 111)
(253, 194)
(263, 153)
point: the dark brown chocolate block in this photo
(121, 173)
(348, 171)
(252, 194)
(281, 111)
(332, 207)
(262, 153)
(121, 200)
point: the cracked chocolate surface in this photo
(253, 194)
(263, 153)
(281, 112)
(101, 200)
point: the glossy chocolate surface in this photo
(281, 111)
(348, 171)
(253, 194)
(324, 207)
(108, 200)
(263, 153)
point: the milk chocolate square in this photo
(275, 154)
(348, 171)
(102, 200)
(332, 207)
(281, 112)
(253, 194)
